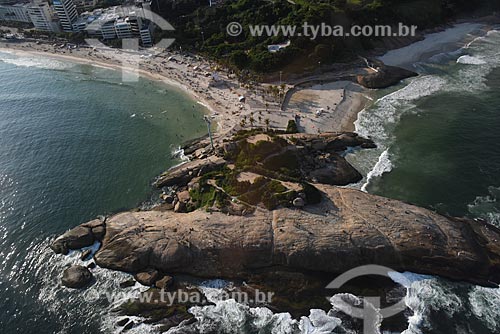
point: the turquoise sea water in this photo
(75, 143)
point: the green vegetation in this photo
(272, 160)
(292, 127)
(203, 29)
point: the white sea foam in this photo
(485, 304)
(68, 304)
(379, 121)
(30, 61)
(228, 316)
(384, 165)
(178, 153)
(319, 322)
(487, 207)
(387, 110)
(470, 60)
(432, 44)
(427, 295)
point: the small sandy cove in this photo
(321, 108)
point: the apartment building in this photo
(17, 12)
(42, 16)
(66, 12)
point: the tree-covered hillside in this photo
(203, 28)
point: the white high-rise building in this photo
(42, 16)
(16, 12)
(66, 12)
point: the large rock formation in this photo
(79, 237)
(384, 77)
(347, 229)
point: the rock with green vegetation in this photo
(348, 228)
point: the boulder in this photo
(148, 277)
(342, 142)
(337, 172)
(181, 175)
(122, 322)
(180, 207)
(164, 282)
(127, 283)
(76, 277)
(169, 199)
(98, 232)
(183, 196)
(77, 238)
(385, 77)
(83, 235)
(128, 326)
(85, 254)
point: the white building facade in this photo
(16, 12)
(42, 17)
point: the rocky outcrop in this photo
(384, 77)
(148, 277)
(348, 228)
(76, 277)
(336, 171)
(181, 175)
(82, 236)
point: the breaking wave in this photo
(487, 207)
(32, 61)
(473, 62)
(441, 306)
(470, 60)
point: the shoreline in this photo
(220, 98)
(110, 66)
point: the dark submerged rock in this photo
(76, 277)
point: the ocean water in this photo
(75, 143)
(71, 154)
(439, 147)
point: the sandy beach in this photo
(220, 91)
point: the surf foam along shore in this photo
(435, 43)
(381, 119)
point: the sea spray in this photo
(33, 61)
(487, 207)
(383, 165)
